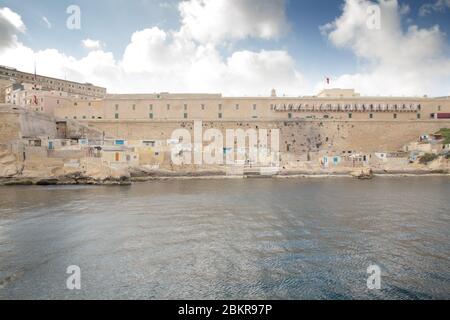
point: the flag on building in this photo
(35, 99)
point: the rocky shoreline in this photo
(64, 180)
(79, 179)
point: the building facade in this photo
(344, 105)
(51, 84)
(86, 102)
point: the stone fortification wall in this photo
(296, 137)
(9, 127)
(17, 123)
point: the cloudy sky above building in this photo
(236, 47)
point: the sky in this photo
(234, 47)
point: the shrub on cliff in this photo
(445, 132)
(427, 158)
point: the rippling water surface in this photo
(228, 239)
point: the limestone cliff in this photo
(9, 165)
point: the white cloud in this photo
(247, 71)
(215, 20)
(10, 24)
(172, 62)
(437, 6)
(156, 60)
(397, 62)
(92, 44)
(47, 22)
(392, 60)
(155, 50)
(97, 67)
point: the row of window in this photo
(237, 107)
(84, 117)
(220, 116)
(46, 80)
(371, 116)
(76, 104)
(220, 107)
(185, 116)
(185, 107)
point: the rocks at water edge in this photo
(363, 174)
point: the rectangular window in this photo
(168, 107)
(185, 115)
(89, 104)
(220, 116)
(220, 107)
(350, 115)
(290, 115)
(150, 107)
(185, 107)
(134, 107)
(117, 107)
(116, 116)
(418, 116)
(203, 107)
(254, 107)
(237, 107)
(395, 116)
(371, 116)
(150, 115)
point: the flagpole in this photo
(34, 86)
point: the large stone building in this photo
(10, 76)
(334, 104)
(86, 102)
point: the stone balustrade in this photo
(354, 107)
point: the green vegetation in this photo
(426, 158)
(445, 132)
